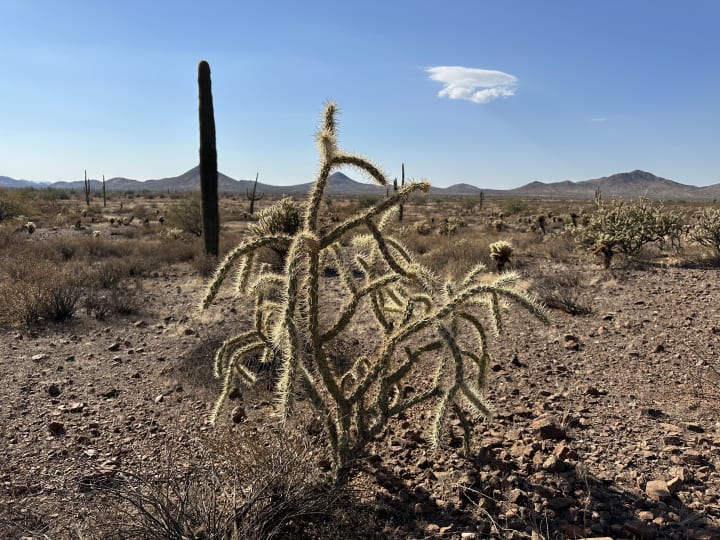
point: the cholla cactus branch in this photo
(420, 320)
(373, 211)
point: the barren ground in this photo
(604, 425)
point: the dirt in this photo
(604, 425)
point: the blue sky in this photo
(496, 94)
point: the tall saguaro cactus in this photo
(252, 197)
(86, 189)
(421, 327)
(104, 193)
(208, 162)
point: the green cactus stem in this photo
(208, 162)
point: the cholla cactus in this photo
(626, 227)
(418, 320)
(500, 252)
(706, 230)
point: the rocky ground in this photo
(605, 424)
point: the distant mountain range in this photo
(624, 185)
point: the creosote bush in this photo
(421, 323)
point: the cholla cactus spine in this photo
(418, 319)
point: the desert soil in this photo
(604, 425)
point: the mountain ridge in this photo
(631, 184)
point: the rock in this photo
(640, 529)
(564, 452)
(53, 390)
(693, 457)
(38, 357)
(675, 484)
(547, 428)
(560, 503)
(571, 343)
(56, 428)
(114, 347)
(646, 515)
(673, 440)
(111, 393)
(553, 464)
(159, 398)
(518, 497)
(658, 490)
(238, 414)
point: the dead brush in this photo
(264, 487)
(563, 291)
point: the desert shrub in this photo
(40, 291)
(500, 252)
(706, 229)
(626, 227)
(14, 203)
(366, 201)
(513, 206)
(563, 291)
(420, 321)
(186, 215)
(268, 488)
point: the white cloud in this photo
(472, 84)
(598, 120)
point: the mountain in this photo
(628, 185)
(623, 185)
(7, 182)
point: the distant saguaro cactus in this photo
(86, 189)
(104, 193)
(252, 197)
(412, 322)
(401, 206)
(208, 162)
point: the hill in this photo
(625, 185)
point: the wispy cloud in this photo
(472, 84)
(598, 120)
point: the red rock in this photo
(547, 428)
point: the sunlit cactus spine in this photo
(208, 162)
(418, 320)
(252, 197)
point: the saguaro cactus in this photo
(208, 162)
(86, 189)
(421, 324)
(104, 193)
(252, 197)
(402, 185)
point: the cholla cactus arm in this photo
(362, 164)
(465, 424)
(361, 217)
(351, 307)
(242, 278)
(234, 372)
(228, 346)
(222, 270)
(382, 246)
(342, 268)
